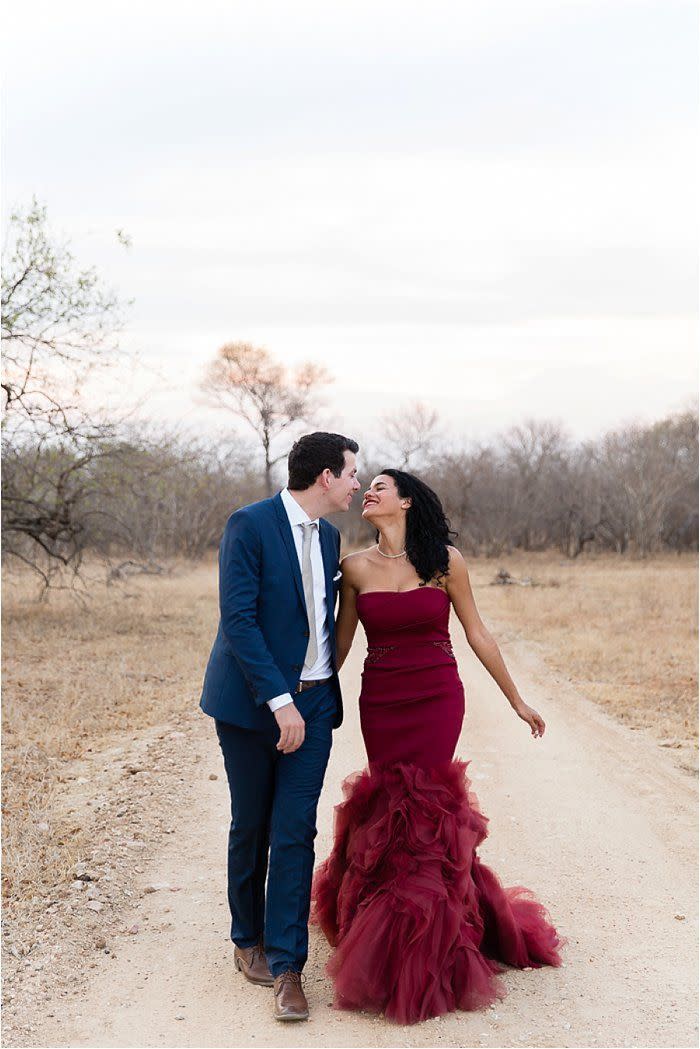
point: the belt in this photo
(303, 685)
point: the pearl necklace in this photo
(389, 555)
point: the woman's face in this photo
(382, 499)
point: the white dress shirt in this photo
(323, 667)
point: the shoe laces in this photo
(290, 976)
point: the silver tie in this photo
(308, 581)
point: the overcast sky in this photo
(490, 206)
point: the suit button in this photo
(297, 666)
(306, 633)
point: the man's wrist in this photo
(279, 701)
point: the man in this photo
(272, 687)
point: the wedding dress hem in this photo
(419, 924)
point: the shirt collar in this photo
(297, 514)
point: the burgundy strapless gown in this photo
(420, 925)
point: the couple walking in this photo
(420, 926)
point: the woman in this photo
(420, 925)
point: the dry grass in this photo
(76, 680)
(623, 631)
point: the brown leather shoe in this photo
(290, 1000)
(251, 961)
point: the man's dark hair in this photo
(313, 454)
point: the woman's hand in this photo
(533, 719)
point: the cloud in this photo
(373, 176)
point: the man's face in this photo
(342, 489)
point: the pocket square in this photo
(337, 577)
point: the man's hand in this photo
(292, 728)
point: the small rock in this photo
(83, 874)
(100, 943)
(132, 930)
(94, 905)
(213, 775)
(679, 917)
(156, 886)
(43, 827)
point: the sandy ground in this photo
(594, 818)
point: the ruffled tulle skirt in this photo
(419, 924)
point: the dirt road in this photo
(593, 817)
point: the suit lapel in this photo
(329, 564)
(286, 530)
(328, 556)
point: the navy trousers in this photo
(274, 798)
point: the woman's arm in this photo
(482, 642)
(346, 623)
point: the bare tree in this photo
(537, 453)
(411, 434)
(58, 323)
(646, 473)
(246, 380)
(579, 520)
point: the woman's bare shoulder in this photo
(456, 569)
(352, 565)
(455, 556)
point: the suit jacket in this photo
(263, 631)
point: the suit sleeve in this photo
(239, 585)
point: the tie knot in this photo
(306, 525)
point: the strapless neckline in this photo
(413, 590)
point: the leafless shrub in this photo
(532, 488)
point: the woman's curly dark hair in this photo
(427, 528)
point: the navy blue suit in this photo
(258, 654)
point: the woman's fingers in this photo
(537, 724)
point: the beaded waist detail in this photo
(377, 652)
